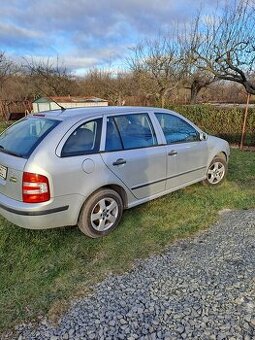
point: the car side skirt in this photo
(147, 199)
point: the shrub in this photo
(224, 122)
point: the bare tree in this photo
(223, 44)
(114, 87)
(195, 81)
(49, 77)
(6, 69)
(120, 86)
(156, 66)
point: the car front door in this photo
(187, 155)
(133, 154)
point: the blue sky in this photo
(87, 33)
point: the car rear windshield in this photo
(22, 138)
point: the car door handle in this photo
(172, 153)
(119, 161)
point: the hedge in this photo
(224, 122)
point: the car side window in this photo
(113, 140)
(84, 140)
(129, 132)
(176, 130)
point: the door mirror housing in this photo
(203, 136)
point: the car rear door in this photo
(134, 155)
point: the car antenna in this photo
(61, 107)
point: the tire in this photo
(101, 213)
(216, 172)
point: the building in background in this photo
(49, 103)
(15, 109)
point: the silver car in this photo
(84, 166)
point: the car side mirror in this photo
(203, 136)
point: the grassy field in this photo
(42, 270)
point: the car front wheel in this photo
(101, 213)
(216, 171)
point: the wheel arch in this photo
(222, 154)
(119, 190)
(114, 187)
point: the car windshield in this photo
(23, 137)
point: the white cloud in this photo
(14, 31)
(86, 33)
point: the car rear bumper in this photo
(58, 212)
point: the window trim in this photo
(184, 120)
(130, 114)
(97, 141)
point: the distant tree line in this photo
(211, 58)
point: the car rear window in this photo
(22, 138)
(84, 140)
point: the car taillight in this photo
(35, 188)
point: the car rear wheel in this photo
(216, 171)
(101, 213)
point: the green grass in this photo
(42, 270)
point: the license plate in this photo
(3, 171)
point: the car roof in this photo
(87, 112)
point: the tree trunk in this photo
(194, 91)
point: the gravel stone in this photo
(199, 288)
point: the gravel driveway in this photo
(201, 287)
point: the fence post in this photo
(245, 121)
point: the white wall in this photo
(39, 107)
